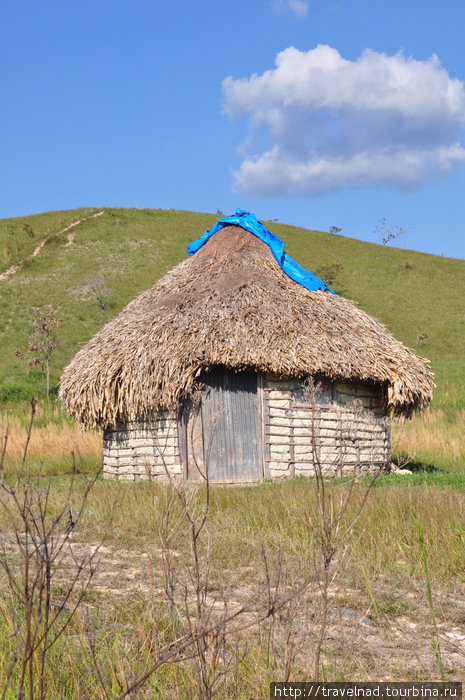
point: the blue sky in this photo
(317, 113)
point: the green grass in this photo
(425, 477)
(126, 251)
(56, 466)
(19, 236)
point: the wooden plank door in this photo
(231, 426)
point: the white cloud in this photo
(318, 122)
(298, 7)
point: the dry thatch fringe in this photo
(231, 304)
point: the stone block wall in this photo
(342, 428)
(136, 450)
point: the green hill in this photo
(89, 272)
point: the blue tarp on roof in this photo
(286, 263)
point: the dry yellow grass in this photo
(52, 440)
(433, 437)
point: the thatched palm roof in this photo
(231, 304)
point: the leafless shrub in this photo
(206, 625)
(289, 626)
(331, 525)
(389, 233)
(100, 290)
(33, 556)
(204, 619)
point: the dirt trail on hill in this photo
(14, 268)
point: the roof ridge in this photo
(249, 222)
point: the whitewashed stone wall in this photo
(137, 450)
(347, 432)
(343, 429)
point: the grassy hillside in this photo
(113, 257)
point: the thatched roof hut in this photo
(231, 305)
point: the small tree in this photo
(389, 233)
(329, 272)
(43, 343)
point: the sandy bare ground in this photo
(14, 268)
(358, 638)
(394, 647)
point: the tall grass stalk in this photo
(429, 595)
(379, 622)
